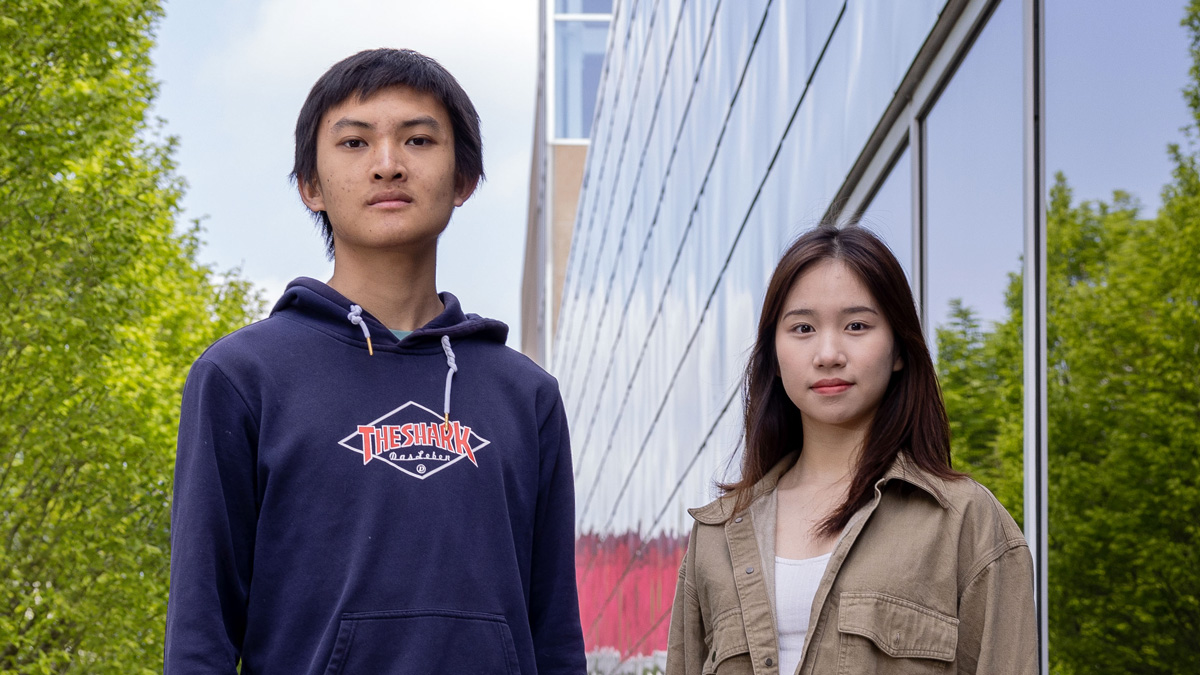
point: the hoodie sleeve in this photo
(213, 514)
(554, 601)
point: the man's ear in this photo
(463, 190)
(310, 194)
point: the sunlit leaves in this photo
(105, 307)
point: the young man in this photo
(369, 481)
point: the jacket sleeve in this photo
(997, 621)
(213, 516)
(685, 644)
(554, 600)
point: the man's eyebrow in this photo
(348, 122)
(423, 120)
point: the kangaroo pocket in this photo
(421, 642)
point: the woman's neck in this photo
(829, 454)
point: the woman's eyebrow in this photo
(804, 311)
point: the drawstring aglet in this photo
(446, 422)
(355, 317)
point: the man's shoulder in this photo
(251, 345)
(512, 369)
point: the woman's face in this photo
(835, 348)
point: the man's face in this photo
(385, 171)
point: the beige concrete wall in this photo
(568, 166)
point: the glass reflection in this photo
(974, 244)
(890, 212)
(1124, 341)
(579, 50)
(583, 6)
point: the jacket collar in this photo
(903, 469)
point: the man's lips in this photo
(830, 386)
(390, 199)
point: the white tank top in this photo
(796, 583)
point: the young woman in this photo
(849, 545)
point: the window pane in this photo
(975, 239)
(579, 58)
(583, 6)
(1122, 294)
(889, 214)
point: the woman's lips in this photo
(830, 387)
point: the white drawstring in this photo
(453, 368)
(355, 317)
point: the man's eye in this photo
(354, 143)
(419, 140)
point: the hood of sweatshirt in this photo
(311, 302)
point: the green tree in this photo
(104, 309)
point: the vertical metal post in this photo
(1036, 410)
(546, 245)
(916, 148)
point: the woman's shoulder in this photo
(980, 514)
(716, 512)
(968, 506)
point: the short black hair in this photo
(363, 75)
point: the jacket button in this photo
(738, 519)
(749, 570)
(770, 662)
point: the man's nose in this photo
(389, 161)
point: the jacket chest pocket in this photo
(884, 635)
(728, 648)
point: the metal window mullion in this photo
(916, 145)
(1035, 317)
(547, 230)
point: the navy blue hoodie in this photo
(330, 517)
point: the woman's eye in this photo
(418, 141)
(804, 328)
(856, 325)
(354, 143)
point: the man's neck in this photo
(397, 288)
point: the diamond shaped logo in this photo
(415, 440)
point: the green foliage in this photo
(1124, 406)
(104, 309)
(981, 377)
(1125, 431)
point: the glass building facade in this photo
(721, 130)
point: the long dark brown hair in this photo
(911, 418)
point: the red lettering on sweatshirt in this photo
(368, 441)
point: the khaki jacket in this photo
(932, 576)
